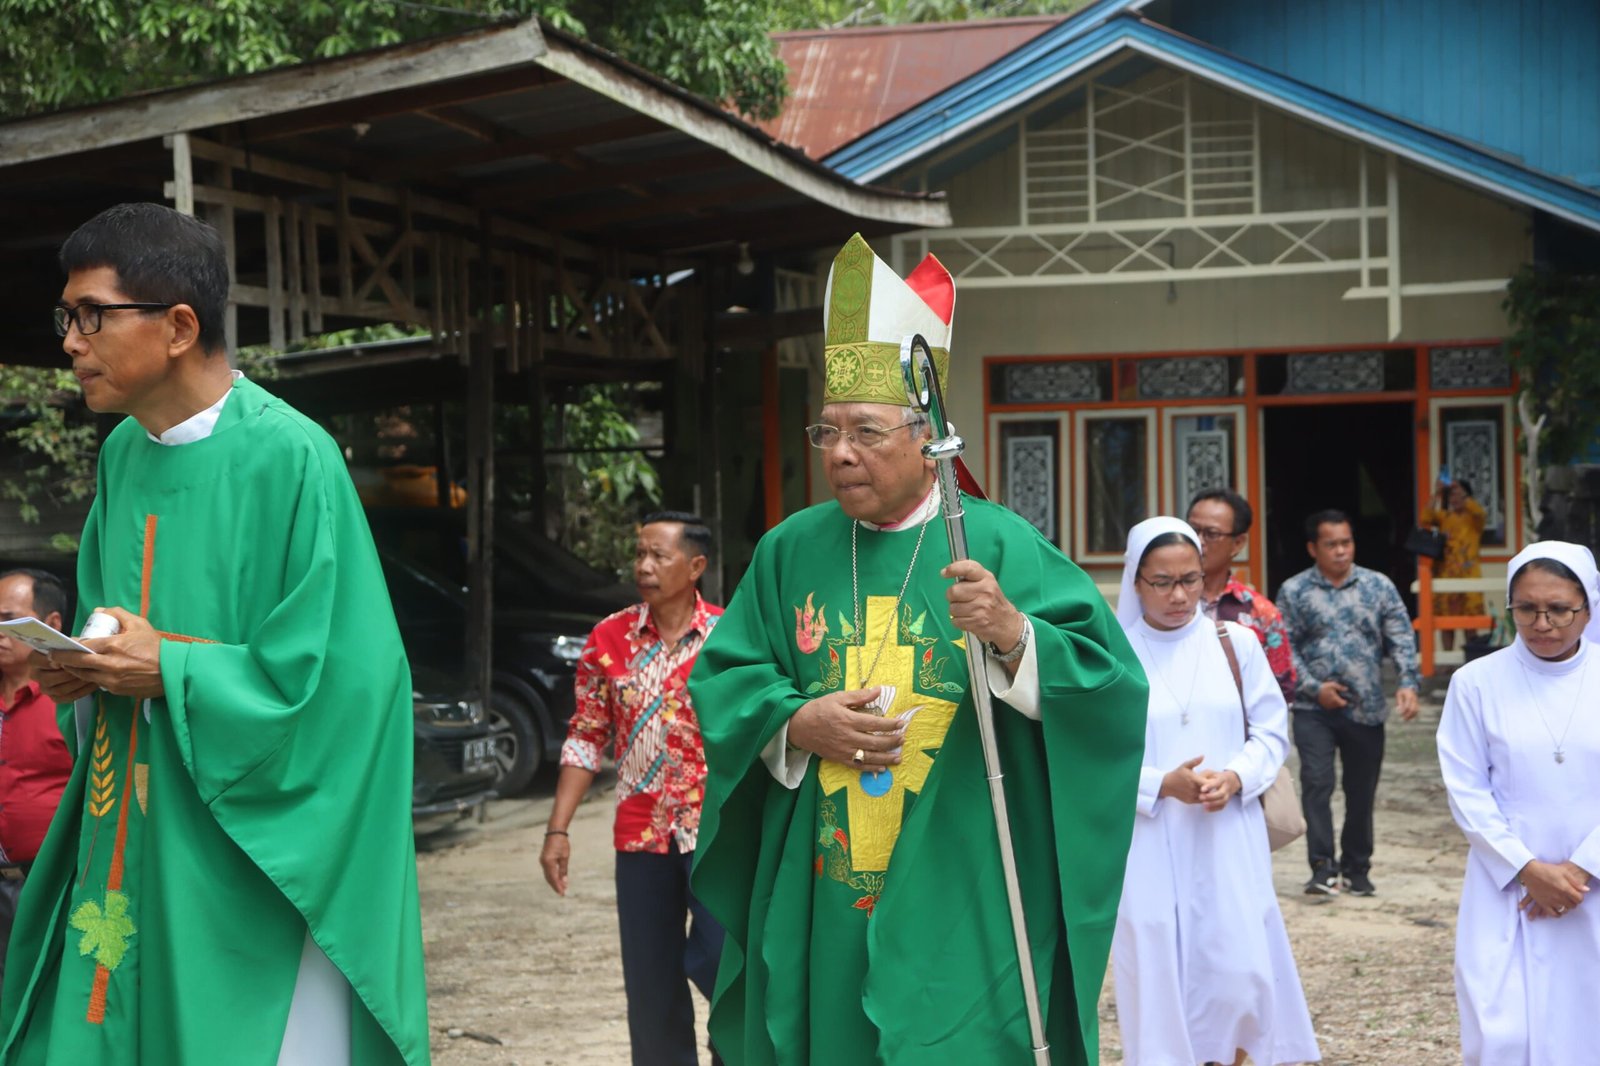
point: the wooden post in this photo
(182, 173)
(1424, 624)
(273, 226)
(772, 437)
(480, 469)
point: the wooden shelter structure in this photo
(535, 208)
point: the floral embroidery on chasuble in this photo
(860, 813)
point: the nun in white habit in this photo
(1519, 745)
(1200, 957)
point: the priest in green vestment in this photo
(847, 841)
(230, 877)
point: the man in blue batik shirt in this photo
(1343, 619)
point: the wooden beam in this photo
(533, 190)
(711, 126)
(465, 121)
(599, 133)
(426, 64)
(600, 218)
(750, 330)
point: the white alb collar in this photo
(919, 514)
(196, 427)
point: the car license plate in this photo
(477, 755)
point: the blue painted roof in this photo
(1518, 77)
(1104, 29)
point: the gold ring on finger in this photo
(859, 756)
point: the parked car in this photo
(546, 602)
(455, 767)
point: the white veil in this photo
(1575, 557)
(1139, 538)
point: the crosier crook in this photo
(922, 388)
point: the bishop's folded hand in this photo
(834, 727)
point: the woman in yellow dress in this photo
(1460, 518)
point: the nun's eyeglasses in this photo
(1526, 614)
(1164, 585)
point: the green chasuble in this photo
(268, 792)
(866, 913)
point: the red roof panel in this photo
(845, 82)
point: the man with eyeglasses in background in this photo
(1221, 518)
(1343, 620)
(232, 875)
(847, 841)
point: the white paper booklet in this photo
(39, 636)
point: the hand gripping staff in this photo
(922, 388)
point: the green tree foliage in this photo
(57, 437)
(814, 14)
(1555, 349)
(602, 482)
(57, 55)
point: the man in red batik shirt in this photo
(34, 762)
(1221, 518)
(633, 696)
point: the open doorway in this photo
(1359, 458)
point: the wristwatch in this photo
(1015, 653)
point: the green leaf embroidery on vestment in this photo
(916, 627)
(105, 933)
(845, 628)
(815, 686)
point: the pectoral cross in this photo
(875, 799)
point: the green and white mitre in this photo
(871, 311)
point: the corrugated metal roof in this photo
(1061, 53)
(845, 82)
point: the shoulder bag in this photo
(1285, 822)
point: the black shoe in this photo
(1324, 882)
(1359, 885)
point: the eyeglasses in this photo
(1209, 535)
(1164, 585)
(87, 316)
(825, 436)
(1559, 617)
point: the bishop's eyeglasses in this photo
(824, 436)
(87, 316)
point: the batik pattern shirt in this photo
(1241, 603)
(1343, 634)
(633, 695)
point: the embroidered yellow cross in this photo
(875, 818)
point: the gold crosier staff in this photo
(922, 388)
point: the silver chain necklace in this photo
(1561, 744)
(1183, 707)
(855, 592)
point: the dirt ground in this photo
(509, 960)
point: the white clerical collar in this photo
(196, 427)
(923, 511)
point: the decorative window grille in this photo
(1479, 367)
(1335, 372)
(1472, 449)
(1183, 378)
(1064, 382)
(1030, 481)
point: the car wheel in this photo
(518, 744)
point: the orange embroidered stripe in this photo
(183, 639)
(102, 976)
(114, 879)
(97, 996)
(149, 566)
